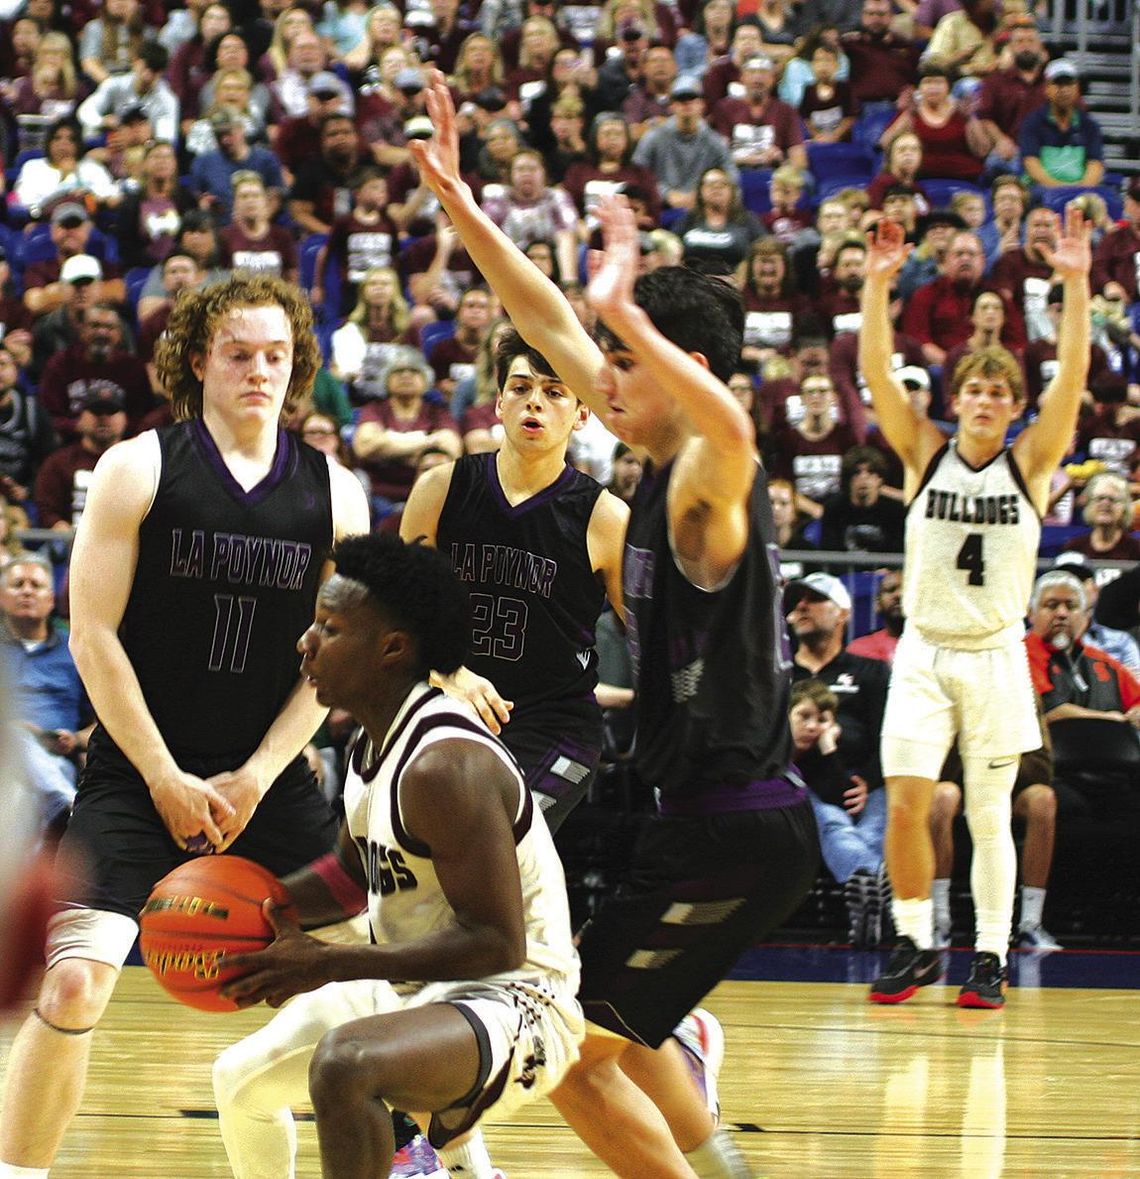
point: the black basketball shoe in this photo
(987, 982)
(908, 969)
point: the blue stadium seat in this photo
(310, 248)
(754, 190)
(870, 125)
(432, 333)
(834, 161)
(1058, 198)
(941, 192)
(135, 280)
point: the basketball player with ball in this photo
(445, 847)
(195, 567)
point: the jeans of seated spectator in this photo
(850, 842)
(51, 777)
(997, 166)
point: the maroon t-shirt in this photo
(1117, 259)
(813, 465)
(939, 313)
(60, 489)
(1006, 98)
(297, 141)
(355, 246)
(769, 322)
(823, 115)
(417, 257)
(1101, 437)
(877, 190)
(68, 378)
(1041, 366)
(392, 478)
(586, 183)
(881, 69)
(274, 254)
(1127, 548)
(448, 354)
(775, 123)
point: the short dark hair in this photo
(415, 587)
(154, 56)
(855, 457)
(693, 311)
(512, 346)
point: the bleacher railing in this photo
(1101, 22)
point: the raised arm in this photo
(535, 305)
(1042, 445)
(914, 439)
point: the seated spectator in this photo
(501, 140)
(718, 227)
(251, 242)
(828, 108)
(708, 38)
(370, 339)
(963, 40)
(15, 319)
(938, 313)
(510, 41)
(1009, 93)
(362, 239)
(859, 518)
(681, 149)
(971, 207)
(627, 471)
(63, 170)
(212, 172)
(395, 429)
(1003, 231)
(60, 491)
(436, 268)
(474, 404)
(26, 433)
(1059, 142)
(779, 27)
(880, 644)
(96, 368)
(143, 87)
(286, 26)
(442, 38)
(180, 272)
(1040, 367)
(1035, 805)
(1108, 513)
(198, 237)
(231, 92)
(109, 44)
(1117, 643)
(50, 704)
(723, 76)
(306, 62)
(647, 104)
(453, 358)
(297, 138)
(883, 63)
(810, 450)
(851, 388)
(777, 395)
(608, 168)
(188, 72)
(902, 163)
(538, 43)
(342, 26)
(567, 147)
(987, 319)
(954, 143)
(789, 524)
(798, 74)
(785, 221)
(1114, 260)
(381, 32)
(772, 305)
(840, 286)
(73, 235)
(51, 89)
(151, 215)
(529, 210)
(851, 836)
(1022, 273)
(763, 131)
(321, 191)
(1075, 680)
(815, 247)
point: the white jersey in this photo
(971, 551)
(405, 900)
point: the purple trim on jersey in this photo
(535, 501)
(762, 795)
(273, 479)
(452, 720)
(366, 775)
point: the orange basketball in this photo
(198, 915)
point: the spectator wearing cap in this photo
(934, 231)
(72, 234)
(212, 172)
(1008, 95)
(647, 104)
(63, 170)
(360, 240)
(764, 131)
(1117, 643)
(298, 137)
(883, 64)
(1114, 260)
(1060, 143)
(684, 147)
(621, 73)
(61, 484)
(938, 314)
(386, 126)
(144, 86)
(251, 242)
(98, 361)
(396, 429)
(916, 381)
(818, 609)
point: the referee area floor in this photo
(816, 1081)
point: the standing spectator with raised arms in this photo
(178, 524)
(973, 529)
(712, 671)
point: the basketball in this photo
(199, 915)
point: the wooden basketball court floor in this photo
(816, 1082)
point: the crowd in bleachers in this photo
(147, 149)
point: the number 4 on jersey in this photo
(971, 559)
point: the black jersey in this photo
(713, 667)
(226, 583)
(535, 598)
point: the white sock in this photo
(1032, 906)
(471, 1160)
(914, 918)
(11, 1171)
(940, 895)
(718, 1158)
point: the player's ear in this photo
(583, 415)
(701, 359)
(197, 364)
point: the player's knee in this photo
(947, 800)
(230, 1074)
(908, 809)
(75, 993)
(336, 1073)
(1037, 804)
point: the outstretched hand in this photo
(610, 290)
(887, 249)
(1071, 257)
(438, 158)
(292, 963)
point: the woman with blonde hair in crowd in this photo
(364, 344)
(382, 28)
(538, 43)
(232, 92)
(285, 28)
(655, 19)
(51, 88)
(478, 66)
(109, 43)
